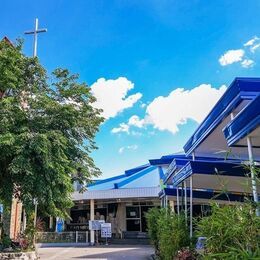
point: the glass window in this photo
(132, 212)
(133, 225)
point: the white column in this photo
(191, 204)
(251, 161)
(185, 201)
(24, 219)
(92, 217)
(191, 198)
(172, 205)
(166, 201)
(161, 200)
(51, 222)
(178, 202)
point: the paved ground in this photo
(111, 252)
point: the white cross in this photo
(35, 32)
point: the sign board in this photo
(201, 243)
(59, 224)
(95, 224)
(106, 230)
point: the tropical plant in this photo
(168, 232)
(173, 234)
(152, 217)
(6, 241)
(47, 130)
(231, 230)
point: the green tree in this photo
(47, 131)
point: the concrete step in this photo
(135, 234)
(129, 241)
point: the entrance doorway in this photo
(135, 218)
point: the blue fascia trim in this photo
(181, 166)
(174, 156)
(136, 169)
(174, 166)
(160, 161)
(166, 159)
(182, 174)
(240, 89)
(209, 168)
(244, 123)
(134, 177)
(106, 180)
(232, 140)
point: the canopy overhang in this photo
(207, 196)
(217, 176)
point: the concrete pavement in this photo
(110, 252)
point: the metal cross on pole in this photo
(35, 33)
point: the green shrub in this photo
(168, 232)
(231, 230)
(6, 241)
(173, 234)
(152, 217)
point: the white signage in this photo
(95, 224)
(106, 230)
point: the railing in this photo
(63, 237)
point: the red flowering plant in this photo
(186, 254)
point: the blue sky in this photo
(158, 66)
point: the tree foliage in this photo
(47, 131)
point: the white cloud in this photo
(254, 44)
(251, 41)
(167, 113)
(247, 63)
(255, 47)
(123, 127)
(112, 96)
(143, 105)
(231, 56)
(129, 147)
(243, 56)
(136, 121)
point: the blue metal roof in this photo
(136, 169)
(244, 123)
(209, 168)
(240, 89)
(142, 176)
(166, 159)
(115, 178)
(139, 175)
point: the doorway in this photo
(135, 218)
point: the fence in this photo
(63, 237)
